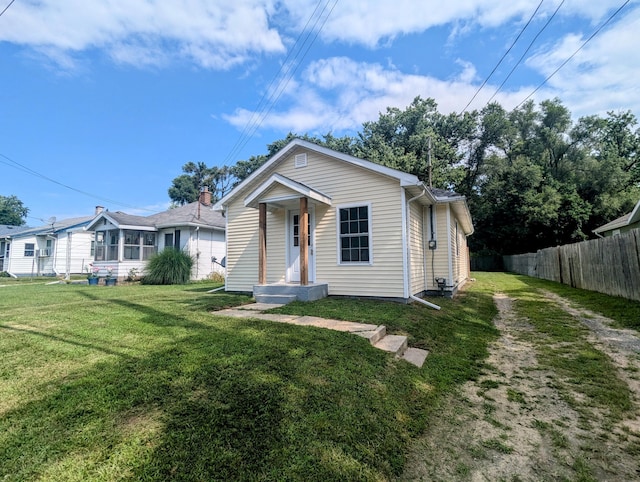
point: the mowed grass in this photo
(144, 383)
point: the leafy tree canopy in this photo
(532, 176)
(12, 211)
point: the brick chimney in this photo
(205, 196)
(99, 209)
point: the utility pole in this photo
(429, 161)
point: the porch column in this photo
(262, 244)
(304, 245)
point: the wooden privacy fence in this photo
(608, 265)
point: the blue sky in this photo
(112, 97)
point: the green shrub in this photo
(169, 267)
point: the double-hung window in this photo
(132, 244)
(29, 249)
(354, 234)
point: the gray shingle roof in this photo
(188, 214)
(56, 227)
(124, 219)
(443, 193)
(9, 230)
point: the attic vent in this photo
(300, 160)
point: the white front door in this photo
(293, 247)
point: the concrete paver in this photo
(376, 334)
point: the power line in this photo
(23, 168)
(575, 53)
(526, 51)
(503, 57)
(268, 91)
(7, 7)
(253, 125)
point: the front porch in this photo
(282, 293)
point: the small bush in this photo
(4, 274)
(169, 267)
(217, 277)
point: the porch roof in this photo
(297, 189)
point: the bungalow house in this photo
(124, 242)
(312, 221)
(6, 231)
(57, 248)
(621, 225)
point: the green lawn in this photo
(143, 383)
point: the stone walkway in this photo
(376, 334)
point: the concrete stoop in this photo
(376, 334)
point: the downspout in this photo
(408, 260)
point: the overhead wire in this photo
(7, 7)
(261, 102)
(503, 56)
(284, 82)
(23, 168)
(526, 51)
(613, 15)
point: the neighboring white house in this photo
(371, 231)
(59, 248)
(124, 242)
(621, 225)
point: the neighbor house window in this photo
(132, 244)
(100, 245)
(354, 234)
(112, 246)
(139, 245)
(29, 249)
(148, 245)
(105, 246)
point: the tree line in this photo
(532, 176)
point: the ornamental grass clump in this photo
(169, 267)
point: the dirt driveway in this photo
(522, 420)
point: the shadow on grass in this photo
(245, 400)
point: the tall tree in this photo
(186, 188)
(12, 211)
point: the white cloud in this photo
(603, 75)
(372, 22)
(210, 34)
(340, 94)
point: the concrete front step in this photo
(415, 356)
(281, 299)
(396, 344)
(311, 292)
(374, 336)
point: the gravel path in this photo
(514, 422)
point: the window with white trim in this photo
(29, 249)
(354, 234)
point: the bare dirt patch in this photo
(517, 422)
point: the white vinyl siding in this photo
(417, 246)
(345, 184)
(437, 260)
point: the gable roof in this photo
(622, 221)
(188, 215)
(54, 228)
(413, 185)
(10, 230)
(404, 178)
(253, 199)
